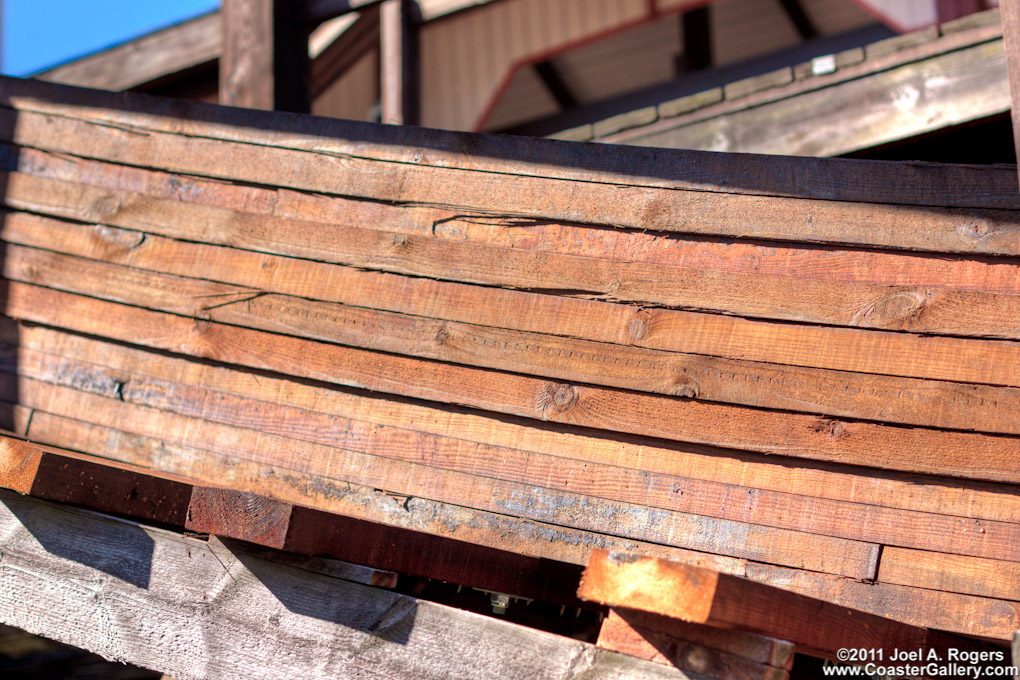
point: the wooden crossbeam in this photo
(703, 596)
(196, 609)
(695, 648)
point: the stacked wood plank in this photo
(799, 371)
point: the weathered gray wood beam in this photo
(146, 59)
(399, 62)
(834, 114)
(1011, 39)
(196, 609)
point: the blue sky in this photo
(41, 33)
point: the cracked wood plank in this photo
(925, 184)
(865, 266)
(833, 393)
(803, 299)
(199, 609)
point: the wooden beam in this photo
(169, 500)
(265, 56)
(146, 59)
(613, 175)
(695, 648)
(130, 592)
(399, 69)
(702, 596)
(825, 115)
(1011, 38)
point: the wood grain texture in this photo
(619, 633)
(964, 614)
(950, 573)
(99, 367)
(702, 596)
(828, 179)
(855, 443)
(283, 621)
(411, 465)
(842, 394)
(602, 478)
(799, 260)
(809, 300)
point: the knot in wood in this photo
(638, 329)
(831, 428)
(441, 335)
(976, 228)
(698, 659)
(685, 386)
(899, 310)
(556, 398)
(106, 206)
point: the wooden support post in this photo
(399, 62)
(1011, 37)
(264, 63)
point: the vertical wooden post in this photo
(1011, 37)
(264, 63)
(399, 62)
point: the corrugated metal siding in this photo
(466, 58)
(355, 95)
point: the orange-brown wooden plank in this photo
(800, 261)
(603, 479)
(703, 596)
(960, 454)
(975, 230)
(133, 374)
(947, 611)
(949, 572)
(636, 634)
(809, 300)
(827, 179)
(919, 402)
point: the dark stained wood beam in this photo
(696, 28)
(704, 596)
(399, 67)
(801, 21)
(264, 63)
(1011, 37)
(555, 84)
